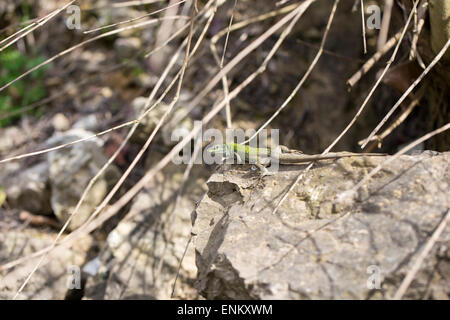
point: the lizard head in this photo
(221, 149)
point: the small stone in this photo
(30, 190)
(87, 123)
(127, 47)
(11, 138)
(71, 169)
(60, 122)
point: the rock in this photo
(11, 138)
(71, 169)
(97, 102)
(127, 47)
(51, 279)
(145, 80)
(313, 250)
(89, 123)
(92, 61)
(30, 190)
(144, 251)
(60, 122)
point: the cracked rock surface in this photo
(311, 249)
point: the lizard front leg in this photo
(238, 158)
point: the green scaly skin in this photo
(263, 156)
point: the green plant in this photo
(23, 92)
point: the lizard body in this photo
(262, 157)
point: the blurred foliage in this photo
(23, 92)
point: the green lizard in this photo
(262, 157)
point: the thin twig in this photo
(36, 25)
(224, 78)
(388, 65)
(299, 177)
(138, 25)
(175, 99)
(363, 23)
(305, 76)
(399, 153)
(134, 19)
(407, 92)
(112, 210)
(387, 12)
(414, 103)
(420, 259)
(374, 59)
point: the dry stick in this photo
(305, 76)
(73, 142)
(99, 208)
(363, 20)
(28, 23)
(35, 153)
(138, 25)
(155, 89)
(135, 122)
(399, 120)
(388, 65)
(330, 53)
(224, 78)
(124, 4)
(299, 12)
(134, 19)
(112, 210)
(350, 194)
(38, 24)
(429, 135)
(299, 177)
(281, 2)
(175, 34)
(162, 163)
(426, 250)
(197, 150)
(179, 265)
(417, 31)
(226, 32)
(407, 92)
(105, 166)
(247, 22)
(91, 182)
(387, 12)
(24, 28)
(162, 34)
(195, 102)
(374, 59)
(134, 161)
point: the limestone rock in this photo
(30, 190)
(51, 279)
(312, 249)
(88, 122)
(71, 169)
(12, 137)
